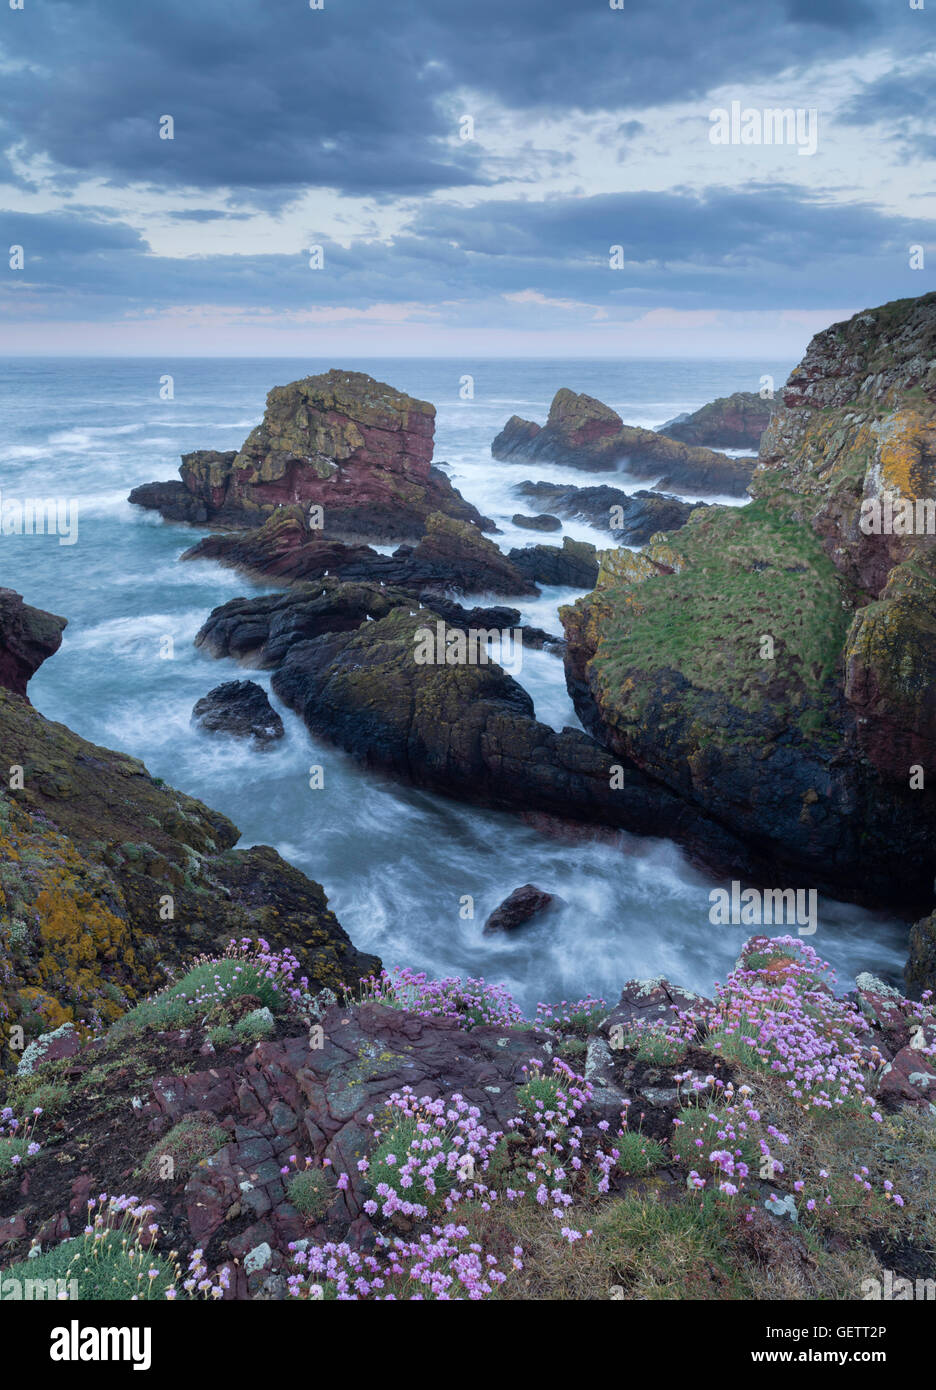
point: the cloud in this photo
(357, 96)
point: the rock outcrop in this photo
(341, 442)
(731, 422)
(631, 517)
(773, 664)
(260, 631)
(582, 432)
(452, 555)
(468, 730)
(573, 564)
(110, 878)
(27, 636)
(239, 708)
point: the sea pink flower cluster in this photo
(798, 1028)
(468, 1002)
(444, 1265)
(554, 1017)
(432, 1155)
(16, 1135)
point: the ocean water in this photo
(396, 863)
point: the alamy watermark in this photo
(770, 125)
(40, 516)
(768, 907)
(892, 515)
(454, 646)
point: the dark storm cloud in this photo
(274, 95)
(763, 249)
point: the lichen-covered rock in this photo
(108, 879)
(730, 422)
(584, 433)
(342, 442)
(772, 663)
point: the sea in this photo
(411, 875)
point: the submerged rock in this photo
(584, 433)
(241, 708)
(355, 448)
(730, 422)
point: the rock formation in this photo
(573, 564)
(773, 664)
(468, 730)
(27, 636)
(519, 907)
(631, 517)
(731, 422)
(342, 442)
(581, 432)
(111, 878)
(450, 555)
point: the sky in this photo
(444, 177)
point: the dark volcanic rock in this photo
(240, 708)
(343, 442)
(451, 555)
(574, 564)
(584, 433)
(27, 637)
(543, 522)
(632, 518)
(469, 731)
(731, 422)
(522, 904)
(260, 631)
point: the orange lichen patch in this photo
(908, 454)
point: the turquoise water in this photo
(395, 862)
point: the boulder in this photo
(240, 708)
(355, 448)
(542, 522)
(730, 422)
(582, 432)
(519, 907)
